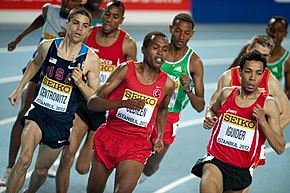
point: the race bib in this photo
(54, 95)
(106, 70)
(141, 117)
(48, 36)
(174, 96)
(236, 132)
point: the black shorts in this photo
(234, 178)
(92, 118)
(55, 130)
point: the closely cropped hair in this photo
(263, 40)
(79, 10)
(253, 55)
(278, 18)
(148, 37)
(116, 3)
(184, 17)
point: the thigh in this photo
(77, 134)
(212, 178)
(127, 174)
(30, 138)
(46, 156)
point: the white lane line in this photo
(10, 79)
(7, 121)
(189, 177)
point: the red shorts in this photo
(170, 129)
(111, 147)
(260, 159)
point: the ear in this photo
(122, 20)
(143, 50)
(240, 72)
(170, 28)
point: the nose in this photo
(252, 76)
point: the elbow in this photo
(201, 107)
(281, 149)
(90, 105)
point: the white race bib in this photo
(106, 70)
(54, 95)
(141, 117)
(236, 132)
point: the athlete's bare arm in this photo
(37, 23)
(276, 91)
(129, 48)
(287, 77)
(224, 81)
(32, 69)
(196, 72)
(98, 102)
(269, 119)
(212, 110)
(161, 117)
(91, 71)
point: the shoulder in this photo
(225, 78)
(226, 91)
(45, 44)
(270, 103)
(128, 38)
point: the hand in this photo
(77, 75)
(135, 104)
(158, 146)
(14, 98)
(12, 45)
(259, 113)
(209, 122)
(185, 81)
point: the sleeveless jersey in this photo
(237, 137)
(134, 122)
(110, 56)
(277, 68)
(236, 79)
(56, 90)
(179, 99)
(54, 22)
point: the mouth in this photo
(159, 60)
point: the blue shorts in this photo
(55, 130)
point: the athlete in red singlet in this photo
(240, 128)
(137, 95)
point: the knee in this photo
(24, 162)
(123, 188)
(41, 172)
(81, 169)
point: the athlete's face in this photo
(181, 32)
(251, 75)
(277, 30)
(155, 53)
(112, 18)
(68, 5)
(78, 28)
(265, 51)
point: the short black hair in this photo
(148, 37)
(184, 17)
(278, 18)
(253, 55)
(79, 10)
(116, 3)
